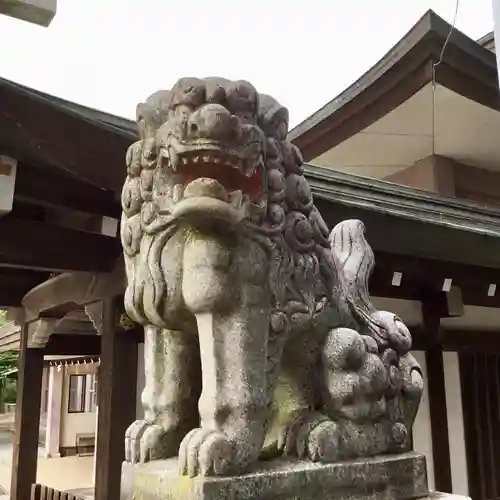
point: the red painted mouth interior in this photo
(230, 177)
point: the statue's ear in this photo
(145, 121)
(273, 117)
(151, 115)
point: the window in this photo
(76, 400)
(82, 393)
(91, 399)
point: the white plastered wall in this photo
(458, 458)
(422, 436)
(75, 423)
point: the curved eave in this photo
(401, 201)
(467, 68)
(42, 130)
(410, 222)
(108, 121)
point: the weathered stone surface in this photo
(39, 12)
(260, 335)
(396, 477)
(437, 495)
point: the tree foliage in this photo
(8, 359)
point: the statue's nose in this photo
(213, 121)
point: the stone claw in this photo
(205, 452)
(144, 442)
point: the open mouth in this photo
(225, 169)
(211, 183)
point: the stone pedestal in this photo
(397, 477)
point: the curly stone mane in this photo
(290, 227)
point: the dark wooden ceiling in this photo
(70, 168)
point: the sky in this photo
(111, 54)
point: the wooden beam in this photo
(117, 401)
(11, 298)
(439, 420)
(432, 272)
(15, 283)
(43, 187)
(25, 455)
(35, 245)
(73, 344)
(432, 311)
(78, 140)
(67, 291)
(421, 276)
(466, 341)
(10, 278)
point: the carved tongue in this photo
(206, 187)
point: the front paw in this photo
(205, 452)
(145, 441)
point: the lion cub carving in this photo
(260, 336)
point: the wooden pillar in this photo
(2, 395)
(437, 396)
(117, 403)
(439, 420)
(25, 454)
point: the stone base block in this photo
(396, 477)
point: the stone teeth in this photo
(185, 160)
(178, 193)
(216, 160)
(196, 159)
(206, 159)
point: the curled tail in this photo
(356, 260)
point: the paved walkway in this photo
(66, 473)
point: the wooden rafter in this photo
(15, 283)
(43, 187)
(35, 245)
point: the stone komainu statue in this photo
(260, 336)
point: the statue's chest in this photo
(221, 272)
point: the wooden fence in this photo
(40, 492)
